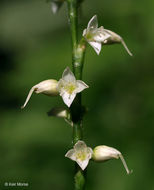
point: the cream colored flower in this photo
(97, 37)
(68, 86)
(103, 153)
(80, 154)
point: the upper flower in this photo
(97, 36)
(80, 153)
(68, 86)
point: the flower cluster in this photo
(82, 154)
(67, 87)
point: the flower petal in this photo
(68, 75)
(89, 152)
(97, 46)
(83, 164)
(60, 85)
(101, 35)
(68, 98)
(81, 86)
(114, 36)
(93, 23)
(71, 154)
(84, 32)
(80, 145)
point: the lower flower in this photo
(80, 154)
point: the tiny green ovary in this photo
(70, 88)
(90, 35)
(81, 156)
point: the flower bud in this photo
(59, 112)
(47, 87)
(103, 153)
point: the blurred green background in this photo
(35, 45)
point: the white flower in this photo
(97, 37)
(47, 87)
(103, 153)
(80, 154)
(68, 86)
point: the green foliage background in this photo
(35, 45)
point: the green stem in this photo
(78, 52)
(73, 21)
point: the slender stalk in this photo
(73, 21)
(78, 51)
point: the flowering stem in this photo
(72, 11)
(78, 52)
